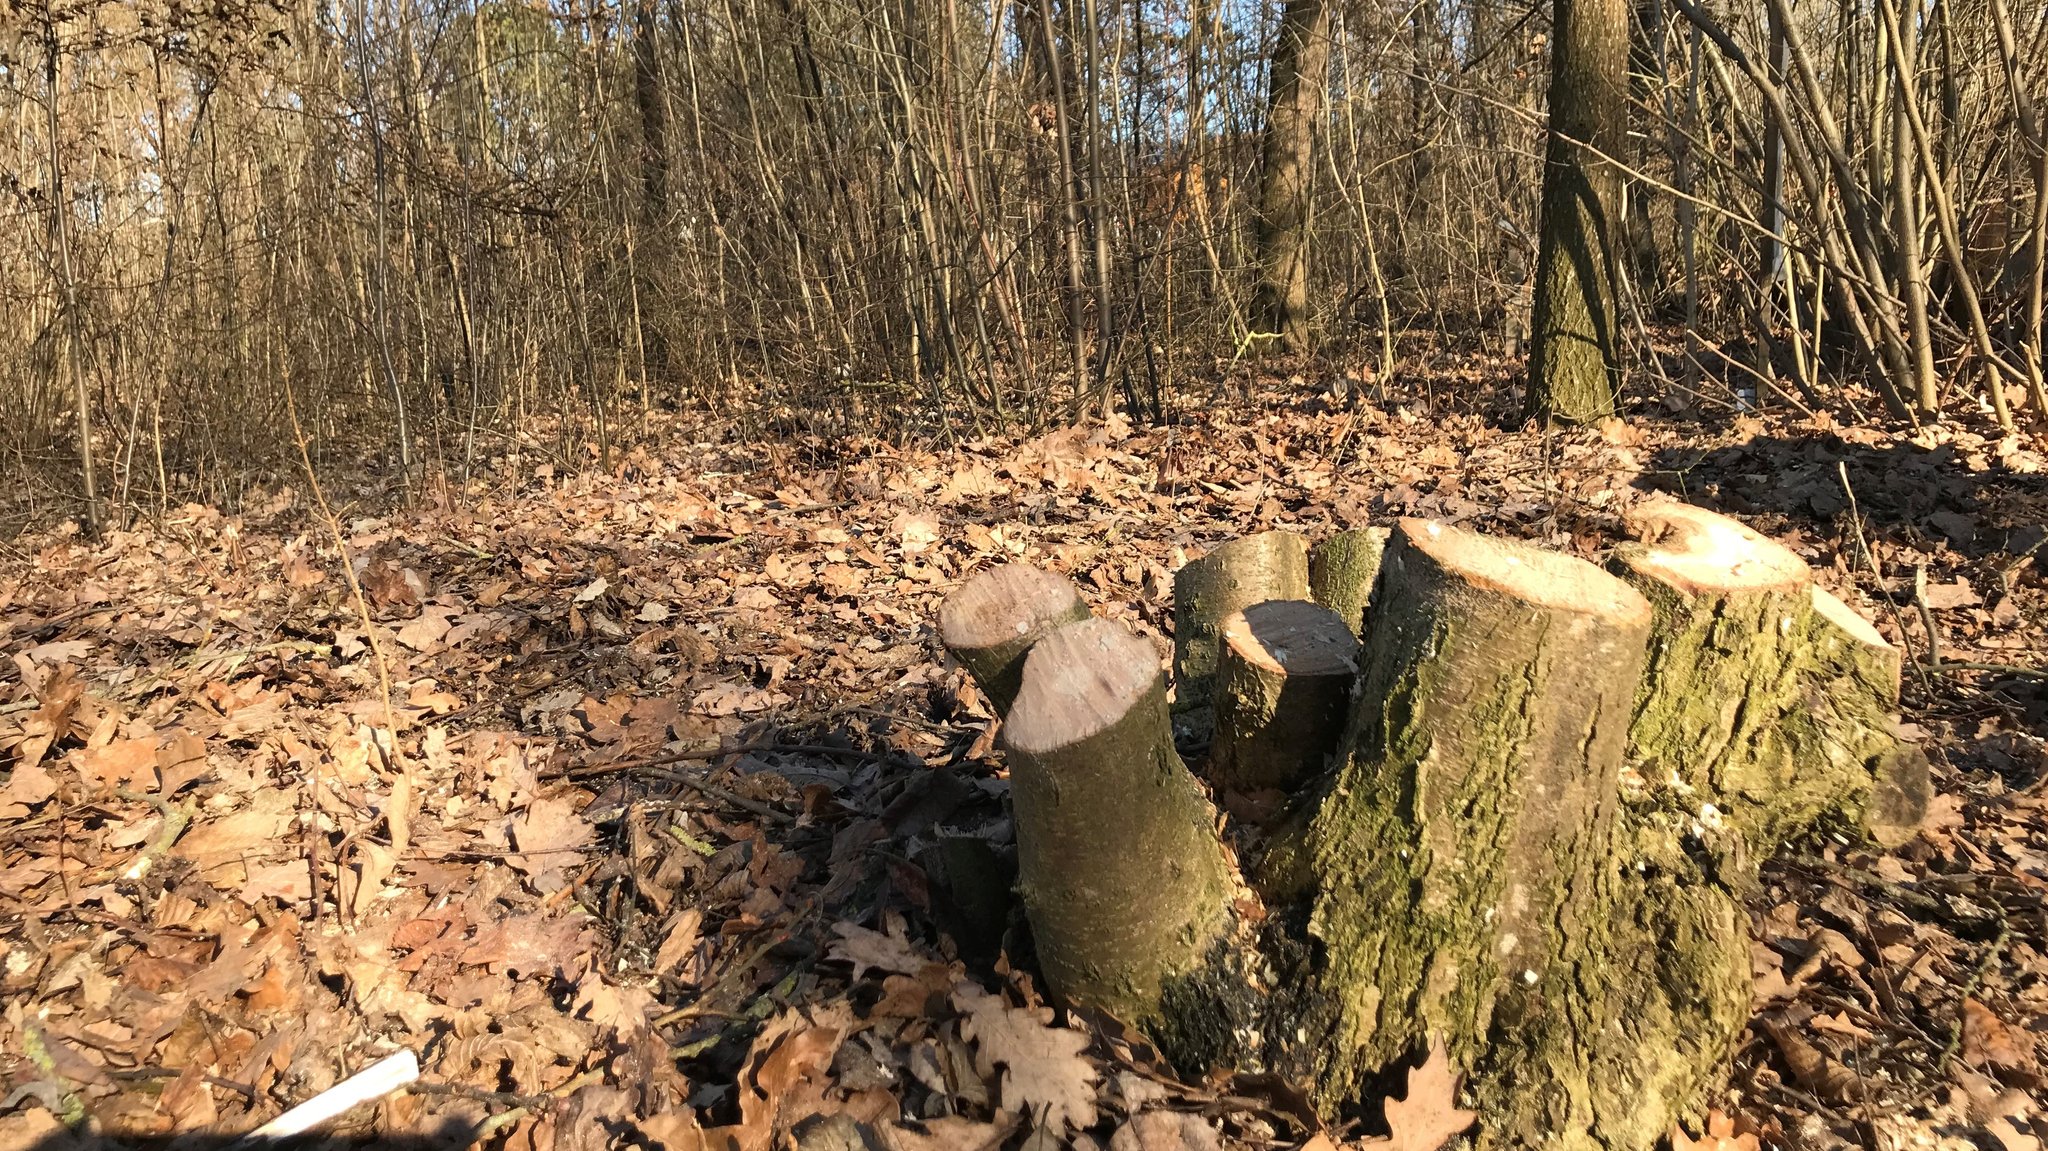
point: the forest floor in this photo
(633, 803)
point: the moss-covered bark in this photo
(991, 622)
(1852, 693)
(1283, 688)
(1341, 572)
(1120, 870)
(1270, 565)
(1760, 717)
(1458, 849)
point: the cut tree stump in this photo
(1767, 707)
(1283, 685)
(990, 623)
(1855, 689)
(1342, 570)
(1121, 872)
(1552, 787)
(1457, 853)
(1270, 565)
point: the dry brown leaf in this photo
(1166, 1131)
(1811, 1066)
(949, 1133)
(2011, 1136)
(621, 1008)
(1044, 1072)
(782, 1084)
(1427, 1116)
(1988, 1042)
(680, 941)
(548, 835)
(1720, 1136)
(870, 950)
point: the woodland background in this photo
(530, 443)
(423, 225)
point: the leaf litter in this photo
(676, 830)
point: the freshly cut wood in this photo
(990, 623)
(1459, 853)
(1270, 565)
(1121, 873)
(1283, 690)
(1341, 571)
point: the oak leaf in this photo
(870, 950)
(1427, 1117)
(1044, 1072)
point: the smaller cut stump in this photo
(990, 623)
(1270, 565)
(1282, 687)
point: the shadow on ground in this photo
(1968, 498)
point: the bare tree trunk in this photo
(67, 278)
(652, 105)
(380, 281)
(1301, 73)
(1906, 216)
(1576, 342)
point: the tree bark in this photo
(1120, 870)
(651, 102)
(990, 624)
(1760, 718)
(1270, 565)
(1300, 75)
(1342, 570)
(1456, 850)
(1283, 685)
(1576, 342)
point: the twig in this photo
(720, 794)
(398, 812)
(504, 1119)
(71, 1109)
(2015, 669)
(1870, 565)
(702, 755)
(176, 820)
(1926, 617)
(1983, 965)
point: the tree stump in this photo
(1342, 570)
(1283, 685)
(1457, 851)
(990, 623)
(1552, 789)
(1270, 565)
(1767, 706)
(1118, 863)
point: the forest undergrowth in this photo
(643, 806)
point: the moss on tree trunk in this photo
(1470, 814)
(1760, 718)
(1341, 572)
